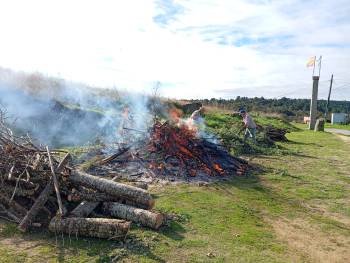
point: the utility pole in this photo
(329, 96)
(313, 106)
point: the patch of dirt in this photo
(20, 244)
(316, 245)
(344, 138)
(324, 210)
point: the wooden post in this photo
(313, 106)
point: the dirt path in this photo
(344, 135)
(344, 138)
(338, 131)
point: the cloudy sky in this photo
(195, 49)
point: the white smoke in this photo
(61, 113)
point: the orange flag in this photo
(311, 62)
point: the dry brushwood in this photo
(36, 189)
(276, 134)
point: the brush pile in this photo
(37, 190)
(276, 134)
(181, 147)
(175, 152)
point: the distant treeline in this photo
(286, 106)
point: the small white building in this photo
(340, 118)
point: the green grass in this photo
(304, 193)
(338, 126)
(327, 125)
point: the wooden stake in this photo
(55, 182)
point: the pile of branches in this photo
(181, 146)
(38, 190)
(276, 134)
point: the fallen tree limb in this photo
(55, 183)
(112, 157)
(91, 227)
(146, 218)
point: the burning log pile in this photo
(276, 134)
(180, 146)
(37, 190)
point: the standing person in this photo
(197, 114)
(249, 125)
(196, 121)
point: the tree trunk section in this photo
(84, 209)
(109, 187)
(91, 227)
(146, 218)
(92, 196)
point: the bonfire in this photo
(173, 150)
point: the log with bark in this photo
(91, 227)
(93, 196)
(84, 209)
(146, 218)
(119, 190)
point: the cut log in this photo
(42, 199)
(100, 197)
(91, 227)
(109, 187)
(146, 218)
(84, 209)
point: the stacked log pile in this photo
(37, 190)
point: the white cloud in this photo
(264, 44)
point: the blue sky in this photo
(195, 49)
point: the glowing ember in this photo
(194, 154)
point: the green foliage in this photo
(228, 128)
(338, 126)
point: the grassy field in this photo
(338, 126)
(293, 207)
